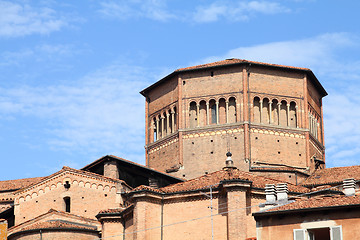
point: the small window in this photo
(67, 204)
(212, 73)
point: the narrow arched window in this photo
(257, 110)
(193, 115)
(67, 204)
(213, 114)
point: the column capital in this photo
(288, 104)
(279, 103)
(162, 117)
(207, 103)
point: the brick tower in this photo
(269, 116)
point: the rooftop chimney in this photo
(282, 192)
(349, 187)
(229, 164)
(270, 193)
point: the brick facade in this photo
(266, 115)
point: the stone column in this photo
(162, 126)
(296, 116)
(279, 109)
(217, 112)
(157, 129)
(270, 112)
(288, 114)
(227, 111)
(152, 130)
(197, 115)
(261, 108)
(172, 121)
(167, 123)
(207, 114)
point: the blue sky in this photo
(70, 71)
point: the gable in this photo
(57, 216)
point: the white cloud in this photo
(151, 9)
(236, 11)
(318, 52)
(322, 54)
(40, 53)
(21, 20)
(101, 113)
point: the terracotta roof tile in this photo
(319, 202)
(56, 224)
(18, 183)
(16, 228)
(130, 162)
(333, 175)
(214, 179)
(115, 210)
(234, 61)
(112, 210)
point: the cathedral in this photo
(232, 148)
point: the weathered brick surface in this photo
(243, 83)
(85, 194)
(55, 235)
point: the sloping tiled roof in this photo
(97, 161)
(214, 179)
(18, 183)
(319, 202)
(235, 61)
(56, 224)
(333, 175)
(51, 212)
(112, 210)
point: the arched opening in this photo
(170, 127)
(265, 111)
(222, 111)
(192, 115)
(283, 114)
(67, 204)
(165, 124)
(155, 130)
(292, 113)
(232, 110)
(275, 112)
(175, 119)
(161, 127)
(202, 114)
(256, 110)
(212, 106)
